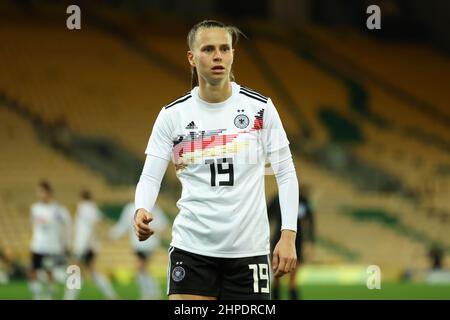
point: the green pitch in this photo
(389, 291)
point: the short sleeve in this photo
(160, 141)
(273, 135)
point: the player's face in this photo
(42, 194)
(212, 54)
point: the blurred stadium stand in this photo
(367, 119)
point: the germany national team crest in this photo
(178, 273)
(241, 121)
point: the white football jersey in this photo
(87, 217)
(219, 151)
(125, 224)
(51, 225)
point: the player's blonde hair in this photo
(232, 30)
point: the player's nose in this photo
(217, 55)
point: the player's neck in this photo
(214, 93)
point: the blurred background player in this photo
(85, 246)
(148, 286)
(303, 242)
(50, 239)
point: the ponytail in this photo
(194, 77)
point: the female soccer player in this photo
(87, 218)
(219, 136)
(50, 240)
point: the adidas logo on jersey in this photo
(191, 125)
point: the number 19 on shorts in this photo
(260, 273)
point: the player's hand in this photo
(284, 255)
(141, 227)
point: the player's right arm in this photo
(159, 150)
(146, 193)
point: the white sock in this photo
(72, 294)
(147, 286)
(51, 289)
(36, 289)
(141, 284)
(104, 285)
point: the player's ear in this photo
(190, 57)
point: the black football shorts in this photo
(43, 261)
(246, 278)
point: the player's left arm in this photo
(279, 155)
(284, 255)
